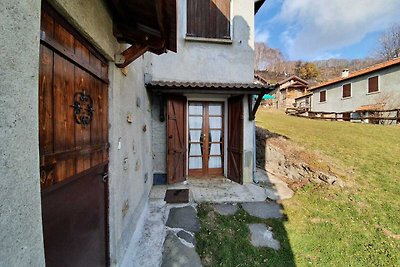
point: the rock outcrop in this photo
(279, 156)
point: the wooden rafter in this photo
(148, 25)
(129, 55)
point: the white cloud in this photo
(315, 28)
(262, 36)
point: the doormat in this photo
(177, 196)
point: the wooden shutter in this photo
(176, 139)
(373, 84)
(346, 90)
(322, 96)
(235, 139)
(208, 18)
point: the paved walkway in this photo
(167, 233)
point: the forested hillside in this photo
(270, 64)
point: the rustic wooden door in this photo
(235, 139)
(176, 139)
(206, 139)
(73, 138)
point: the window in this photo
(322, 96)
(346, 90)
(208, 18)
(373, 85)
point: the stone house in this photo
(89, 118)
(376, 87)
(289, 89)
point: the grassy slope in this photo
(354, 226)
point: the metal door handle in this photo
(105, 177)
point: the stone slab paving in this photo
(188, 237)
(263, 210)
(226, 208)
(223, 190)
(261, 236)
(184, 218)
(176, 254)
(145, 248)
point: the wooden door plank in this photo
(64, 37)
(46, 100)
(63, 114)
(103, 114)
(82, 133)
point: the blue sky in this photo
(322, 29)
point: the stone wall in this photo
(279, 156)
(21, 238)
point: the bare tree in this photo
(267, 58)
(389, 43)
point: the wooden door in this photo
(176, 139)
(235, 139)
(73, 139)
(206, 139)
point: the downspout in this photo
(255, 152)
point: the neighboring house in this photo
(87, 119)
(376, 87)
(289, 89)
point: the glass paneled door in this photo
(206, 139)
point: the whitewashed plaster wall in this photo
(210, 61)
(21, 237)
(389, 86)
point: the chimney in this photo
(345, 73)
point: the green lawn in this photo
(358, 225)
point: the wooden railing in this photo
(389, 116)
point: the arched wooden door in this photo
(73, 137)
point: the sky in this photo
(323, 29)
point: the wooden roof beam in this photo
(129, 55)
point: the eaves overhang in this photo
(257, 5)
(148, 25)
(171, 87)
